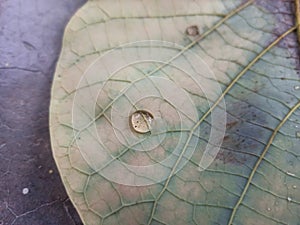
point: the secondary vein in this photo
(229, 15)
(259, 56)
(297, 12)
(232, 13)
(260, 160)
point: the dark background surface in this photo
(30, 40)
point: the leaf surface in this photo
(212, 74)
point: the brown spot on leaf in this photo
(230, 157)
(192, 30)
(226, 138)
(229, 125)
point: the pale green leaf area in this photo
(248, 49)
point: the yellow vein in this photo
(232, 13)
(248, 67)
(229, 15)
(216, 103)
(260, 160)
(297, 12)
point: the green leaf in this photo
(180, 112)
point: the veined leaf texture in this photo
(180, 112)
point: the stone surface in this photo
(30, 41)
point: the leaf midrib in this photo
(214, 105)
(229, 15)
(260, 160)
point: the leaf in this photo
(215, 88)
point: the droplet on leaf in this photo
(140, 121)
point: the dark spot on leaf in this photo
(192, 30)
(230, 157)
(229, 125)
(226, 138)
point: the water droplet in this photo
(290, 174)
(297, 87)
(140, 121)
(25, 191)
(298, 134)
(289, 199)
